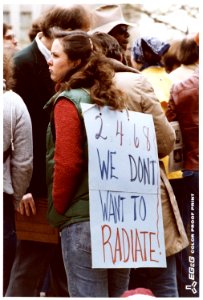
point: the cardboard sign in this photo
(124, 189)
(36, 227)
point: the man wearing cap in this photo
(109, 19)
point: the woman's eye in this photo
(53, 54)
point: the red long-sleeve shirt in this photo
(68, 155)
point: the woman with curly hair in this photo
(82, 75)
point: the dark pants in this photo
(161, 281)
(31, 264)
(186, 191)
(9, 235)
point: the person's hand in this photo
(27, 205)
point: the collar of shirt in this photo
(45, 52)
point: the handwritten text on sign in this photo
(125, 208)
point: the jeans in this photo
(9, 235)
(161, 281)
(83, 280)
(187, 194)
(30, 268)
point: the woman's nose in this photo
(49, 61)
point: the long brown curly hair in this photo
(94, 71)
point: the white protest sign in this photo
(124, 189)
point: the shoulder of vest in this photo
(75, 95)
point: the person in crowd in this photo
(183, 107)
(109, 19)
(170, 59)
(147, 53)
(35, 28)
(162, 282)
(188, 56)
(72, 212)
(77, 72)
(17, 163)
(150, 278)
(10, 42)
(147, 56)
(110, 47)
(34, 85)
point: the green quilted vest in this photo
(79, 209)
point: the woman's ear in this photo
(76, 63)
